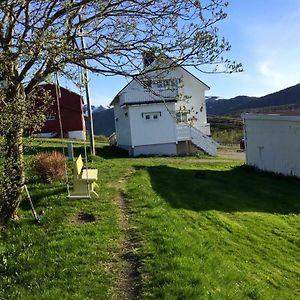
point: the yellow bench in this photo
(84, 180)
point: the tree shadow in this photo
(33, 150)
(38, 193)
(110, 152)
(107, 152)
(240, 189)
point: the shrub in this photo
(228, 137)
(49, 166)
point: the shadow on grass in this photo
(41, 192)
(106, 152)
(110, 152)
(237, 189)
(33, 150)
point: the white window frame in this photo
(50, 117)
(150, 115)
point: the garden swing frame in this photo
(79, 192)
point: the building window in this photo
(182, 116)
(126, 114)
(159, 84)
(151, 115)
(50, 117)
(171, 83)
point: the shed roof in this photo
(271, 117)
(149, 67)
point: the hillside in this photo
(104, 123)
(226, 130)
(288, 99)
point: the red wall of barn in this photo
(71, 111)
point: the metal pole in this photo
(70, 151)
(90, 112)
(87, 93)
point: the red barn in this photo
(71, 111)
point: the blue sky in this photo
(264, 35)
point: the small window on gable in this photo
(155, 116)
(160, 84)
(50, 117)
(147, 117)
(126, 114)
(171, 83)
(182, 117)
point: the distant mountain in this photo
(286, 101)
(99, 109)
(85, 108)
(104, 121)
(288, 98)
(213, 98)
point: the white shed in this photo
(273, 143)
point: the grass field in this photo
(226, 129)
(203, 230)
(223, 233)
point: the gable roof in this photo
(190, 73)
(52, 87)
(69, 100)
(149, 67)
(117, 96)
(149, 102)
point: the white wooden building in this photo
(163, 113)
(273, 143)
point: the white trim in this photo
(275, 117)
(46, 135)
(78, 134)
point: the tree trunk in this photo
(12, 177)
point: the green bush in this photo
(49, 166)
(228, 137)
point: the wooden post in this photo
(87, 93)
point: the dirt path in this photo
(238, 155)
(128, 285)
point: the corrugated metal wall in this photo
(273, 143)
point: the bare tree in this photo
(40, 38)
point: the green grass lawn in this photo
(207, 230)
(216, 231)
(62, 258)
